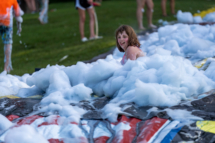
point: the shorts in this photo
(6, 34)
(82, 4)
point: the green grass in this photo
(47, 44)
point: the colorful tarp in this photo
(140, 127)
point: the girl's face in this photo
(122, 39)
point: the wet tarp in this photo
(154, 130)
(204, 107)
(17, 106)
(140, 126)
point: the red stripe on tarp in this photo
(76, 140)
(74, 123)
(149, 128)
(55, 141)
(12, 117)
(102, 139)
(53, 122)
(28, 120)
(128, 135)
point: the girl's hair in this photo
(132, 37)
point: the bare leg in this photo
(43, 15)
(28, 4)
(82, 18)
(33, 5)
(92, 21)
(163, 7)
(140, 4)
(172, 5)
(149, 4)
(7, 59)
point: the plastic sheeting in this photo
(155, 127)
(11, 105)
(154, 130)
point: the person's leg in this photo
(42, 12)
(81, 21)
(92, 21)
(28, 4)
(140, 4)
(33, 5)
(43, 15)
(143, 10)
(7, 37)
(149, 14)
(163, 7)
(46, 11)
(7, 58)
(172, 6)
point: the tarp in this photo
(13, 105)
(154, 130)
(155, 127)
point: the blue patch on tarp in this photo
(170, 136)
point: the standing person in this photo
(126, 41)
(43, 15)
(163, 7)
(6, 28)
(31, 5)
(149, 13)
(83, 5)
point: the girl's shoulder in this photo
(133, 48)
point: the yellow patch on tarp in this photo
(200, 64)
(207, 126)
(36, 96)
(13, 96)
(9, 96)
(205, 12)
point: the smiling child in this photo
(127, 42)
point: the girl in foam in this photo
(126, 40)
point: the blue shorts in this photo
(6, 34)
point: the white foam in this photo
(4, 123)
(24, 134)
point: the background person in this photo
(163, 7)
(83, 5)
(149, 13)
(6, 28)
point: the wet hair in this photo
(132, 37)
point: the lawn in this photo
(42, 45)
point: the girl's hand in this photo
(90, 2)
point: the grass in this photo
(42, 45)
